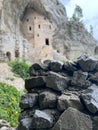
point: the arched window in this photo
(8, 55)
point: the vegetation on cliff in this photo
(20, 68)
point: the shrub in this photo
(21, 68)
(9, 104)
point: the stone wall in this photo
(61, 96)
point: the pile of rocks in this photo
(61, 96)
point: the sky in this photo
(90, 12)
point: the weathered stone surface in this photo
(34, 82)
(90, 98)
(72, 119)
(38, 70)
(80, 79)
(29, 100)
(69, 100)
(4, 125)
(25, 124)
(41, 120)
(54, 113)
(56, 81)
(70, 67)
(47, 100)
(95, 123)
(55, 66)
(94, 78)
(87, 63)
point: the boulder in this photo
(47, 99)
(41, 120)
(29, 100)
(55, 66)
(34, 82)
(69, 100)
(37, 70)
(72, 119)
(70, 67)
(94, 78)
(54, 113)
(87, 63)
(79, 79)
(25, 124)
(95, 123)
(90, 98)
(56, 81)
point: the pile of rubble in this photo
(61, 96)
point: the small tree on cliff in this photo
(77, 15)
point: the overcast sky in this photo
(90, 12)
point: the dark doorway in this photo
(30, 28)
(47, 41)
(17, 53)
(8, 54)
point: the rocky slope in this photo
(63, 42)
(61, 96)
(7, 76)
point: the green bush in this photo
(21, 68)
(9, 104)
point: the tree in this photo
(91, 29)
(77, 15)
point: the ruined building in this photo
(35, 30)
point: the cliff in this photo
(67, 38)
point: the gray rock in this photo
(34, 82)
(29, 100)
(47, 99)
(69, 100)
(90, 98)
(70, 67)
(55, 66)
(94, 78)
(35, 70)
(56, 81)
(87, 63)
(95, 123)
(25, 124)
(41, 120)
(6, 128)
(4, 123)
(54, 113)
(72, 119)
(79, 79)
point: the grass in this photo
(20, 68)
(9, 104)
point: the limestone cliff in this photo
(12, 13)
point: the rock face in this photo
(72, 119)
(58, 100)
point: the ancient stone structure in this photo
(36, 30)
(61, 96)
